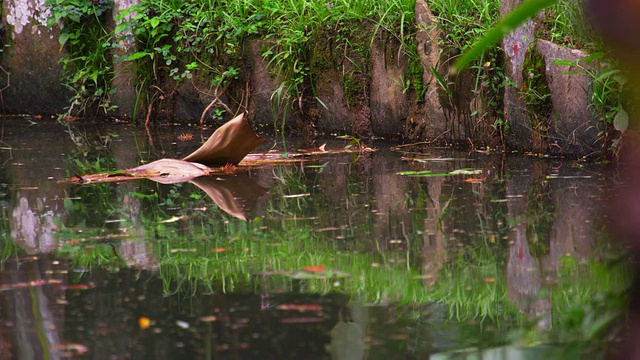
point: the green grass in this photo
(176, 39)
(568, 25)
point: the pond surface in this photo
(384, 255)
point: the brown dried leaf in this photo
(229, 144)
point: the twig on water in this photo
(429, 142)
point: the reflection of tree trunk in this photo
(391, 214)
(137, 252)
(32, 229)
(572, 232)
(39, 201)
(348, 335)
(333, 184)
(524, 278)
(433, 249)
(33, 310)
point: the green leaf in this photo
(137, 55)
(621, 120)
(515, 18)
(62, 39)
(154, 22)
(120, 27)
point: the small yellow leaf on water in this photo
(144, 322)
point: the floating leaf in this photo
(292, 196)
(210, 318)
(172, 219)
(428, 173)
(299, 307)
(229, 144)
(465, 172)
(315, 269)
(168, 171)
(68, 349)
(182, 324)
(328, 274)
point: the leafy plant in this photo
(606, 92)
(515, 18)
(88, 63)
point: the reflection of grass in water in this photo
(220, 253)
(216, 252)
(7, 250)
(272, 261)
(588, 297)
(7, 247)
(473, 284)
(89, 249)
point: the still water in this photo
(394, 254)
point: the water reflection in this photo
(341, 257)
(234, 194)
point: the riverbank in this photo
(344, 67)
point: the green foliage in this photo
(463, 23)
(607, 90)
(175, 39)
(566, 24)
(536, 93)
(515, 18)
(88, 63)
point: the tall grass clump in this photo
(463, 23)
(567, 24)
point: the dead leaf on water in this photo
(229, 144)
(77, 287)
(173, 219)
(302, 320)
(211, 318)
(27, 284)
(475, 180)
(182, 250)
(69, 349)
(315, 269)
(328, 229)
(299, 307)
(295, 196)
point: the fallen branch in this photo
(225, 152)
